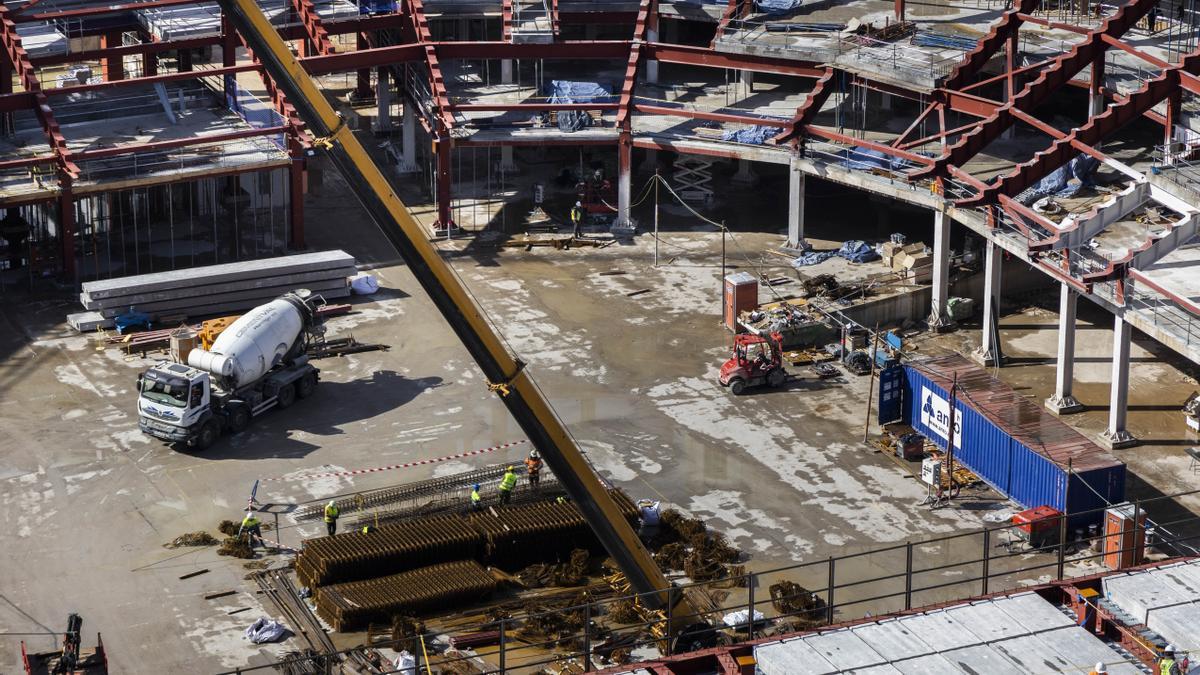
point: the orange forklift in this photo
(756, 360)
(71, 659)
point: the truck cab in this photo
(173, 399)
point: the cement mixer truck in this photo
(259, 362)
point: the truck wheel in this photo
(208, 435)
(776, 378)
(306, 385)
(738, 386)
(239, 418)
(286, 396)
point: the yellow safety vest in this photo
(331, 513)
(475, 498)
(1164, 666)
(509, 481)
(249, 522)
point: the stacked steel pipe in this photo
(353, 605)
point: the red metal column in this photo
(66, 224)
(442, 149)
(296, 203)
(363, 90)
(112, 67)
(899, 10)
(6, 87)
(229, 43)
(1174, 105)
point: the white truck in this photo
(257, 363)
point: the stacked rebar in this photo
(352, 605)
(386, 550)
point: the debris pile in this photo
(623, 611)
(803, 607)
(199, 538)
(236, 547)
(228, 528)
(573, 572)
(354, 604)
(559, 620)
(407, 632)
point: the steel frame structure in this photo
(967, 91)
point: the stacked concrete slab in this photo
(1017, 635)
(1166, 599)
(213, 289)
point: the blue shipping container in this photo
(1011, 443)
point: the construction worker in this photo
(252, 527)
(533, 465)
(577, 216)
(476, 500)
(1100, 669)
(331, 516)
(1167, 665)
(507, 483)
(367, 529)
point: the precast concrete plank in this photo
(892, 640)
(1033, 612)
(1189, 571)
(884, 669)
(232, 307)
(1084, 650)
(1176, 578)
(844, 649)
(211, 274)
(986, 621)
(258, 296)
(940, 631)
(1178, 624)
(984, 660)
(930, 664)
(264, 284)
(1035, 656)
(791, 657)
(1138, 593)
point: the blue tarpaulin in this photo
(855, 250)
(1058, 182)
(565, 91)
(865, 159)
(778, 6)
(755, 135)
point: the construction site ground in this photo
(627, 353)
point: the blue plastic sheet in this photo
(1058, 182)
(778, 6)
(866, 159)
(566, 91)
(755, 135)
(855, 250)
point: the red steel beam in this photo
(105, 153)
(7, 164)
(1119, 44)
(530, 107)
(807, 112)
(1078, 30)
(100, 9)
(437, 84)
(986, 48)
(506, 20)
(318, 37)
(1060, 71)
(942, 133)
(15, 51)
(932, 107)
(285, 109)
(570, 49)
(701, 56)
(1097, 129)
(735, 9)
(836, 137)
(969, 104)
(645, 9)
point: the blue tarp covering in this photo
(755, 135)
(376, 6)
(565, 91)
(865, 159)
(855, 250)
(1058, 182)
(778, 6)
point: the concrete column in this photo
(652, 64)
(795, 236)
(296, 204)
(885, 101)
(624, 169)
(941, 269)
(66, 216)
(747, 77)
(1116, 436)
(408, 140)
(991, 303)
(745, 173)
(649, 161)
(506, 71)
(383, 98)
(1063, 402)
(507, 165)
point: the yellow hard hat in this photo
(510, 468)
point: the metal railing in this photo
(1163, 312)
(889, 579)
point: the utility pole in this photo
(950, 436)
(871, 385)
(656, 218)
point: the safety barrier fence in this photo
(892, 578)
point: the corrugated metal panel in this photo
(1013, 444)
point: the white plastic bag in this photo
(363, 284)
(738, 618)
(406, 663)
(649, 512)
(265, 630)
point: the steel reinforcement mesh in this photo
(353, 605)
(511, 538)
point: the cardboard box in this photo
(914, 248)
(898, 262)
(915, 261)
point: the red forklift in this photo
(72, 659)
(756, 360)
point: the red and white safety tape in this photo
(355, 472)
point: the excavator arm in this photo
(506, 375)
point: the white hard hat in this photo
(1169, 650)
(533, 454)
(1100, 667)
(578, 203)
(331, 502)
